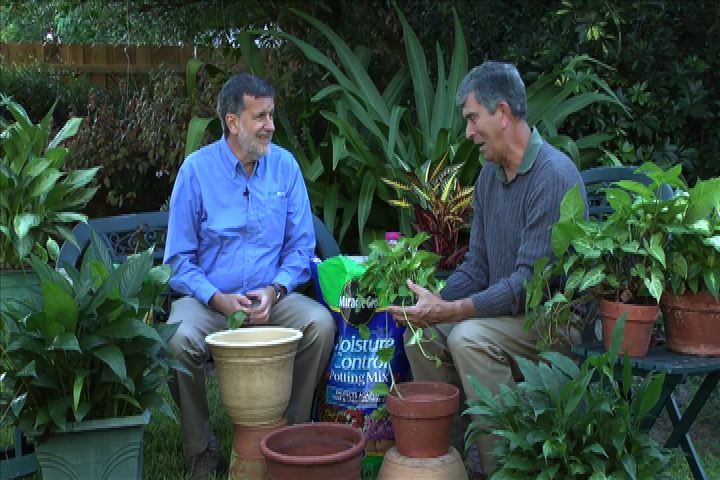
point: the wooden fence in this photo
(104, 64)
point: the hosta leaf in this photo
(17, 404)
(68, 130)
(654, 285)
(23, 222)
(57, 409)
(78, 383)
(59, 306)
(572, 206)
(136, 268)
(593, 277)
(656, 249)
(113, 358)
(44, 183)
(65, 341)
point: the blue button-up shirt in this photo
(231, 233)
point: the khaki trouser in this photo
(188, 345)
(481, 347)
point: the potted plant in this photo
(620, 261)
(421, 413)
(81, 367)
(565, 421)
(38, 202)
(691, 310)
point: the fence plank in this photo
(105, 64)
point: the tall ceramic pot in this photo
(422, 417)
(692, 323)
(322, 450)
(638, 325)
(254, 367)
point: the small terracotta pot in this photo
(422, 419)
(692, 323)
(323, 450)
(638, 326)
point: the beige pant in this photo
(481, 347)
(188, 345)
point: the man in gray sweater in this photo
(479, 315)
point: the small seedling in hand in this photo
(237, 319)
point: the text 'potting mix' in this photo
(355, 366)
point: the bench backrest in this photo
(595, 179)
(126, 234)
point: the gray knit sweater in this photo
(510, 231)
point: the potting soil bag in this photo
(354, 367)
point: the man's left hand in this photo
(259, 314)
(429, 309)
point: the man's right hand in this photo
(229, 303)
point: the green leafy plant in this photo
(139, 138)
(692, 226)
(388, 269)
(373, 134)
(38, 201)
(82, 347)
(565, 91)
(565, 421)
(621, 258)
(442, 207)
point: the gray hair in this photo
(493, 82)
(231, 96)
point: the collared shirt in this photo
(232, 233)
(528, 159)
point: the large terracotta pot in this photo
(638, 326)
(422, 417)
(247, 461)
(322, 450)
(692, 323)
(254, 366)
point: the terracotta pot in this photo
(323, 451)
(422, 419)
(254, 367)
(247, 461)
(692, 323)
(638, 326)
(444, 467)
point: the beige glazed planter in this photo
(254, 366)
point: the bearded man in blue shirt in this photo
(240, 232)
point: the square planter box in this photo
(100, 449)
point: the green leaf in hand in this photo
(237, 319)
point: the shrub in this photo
(138, 140)
(37, 87)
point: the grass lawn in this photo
(164, 457)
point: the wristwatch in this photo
(279, 292)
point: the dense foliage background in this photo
(662, 58)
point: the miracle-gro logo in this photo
(356, 309)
